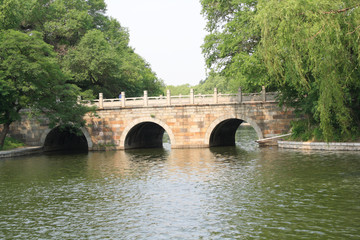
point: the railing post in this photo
(168, 97)
(263, 92)
(101, 101)
(215, 95)
(239, 95)
(191, 96)
(146, 103)
(122, 99)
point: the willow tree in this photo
(311, 49)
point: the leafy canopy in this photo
(80, 30)
(230, 48)
(29, 77)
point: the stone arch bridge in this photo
(191, 121)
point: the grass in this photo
(11, 143)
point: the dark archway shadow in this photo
(224, 133)
(65, 140)
(145, 135)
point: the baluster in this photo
(101, 101)
(146, 103)
(191, 96)
(122, 99)
(239, 95)
(168, 97)
(215, 95)
(263, 92)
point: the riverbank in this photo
(23, 151)
(331, 146)
(281, 142)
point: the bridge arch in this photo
(131, 135)
(46, 134)
(231, 122)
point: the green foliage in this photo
(62, 49)
(311, 49)
(94, 64)
(92, 48)
(231, 47)
(211, 82)
(30, 78)
(302, 130)
(11, 143)
(180, 89)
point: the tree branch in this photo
(341, 10)
(311, 38)
(353, 31)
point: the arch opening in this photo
(68, 139)
(145, 135)
(224, 133)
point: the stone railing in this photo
(168, 100)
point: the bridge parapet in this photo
(196, 99)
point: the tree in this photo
(63, 23)
(140, 77)
(311, 49)
(109, 66)
(214, 81)
(93, 48)
(29, 77)
(231, 47)
(183, 89)
(94, 65)
(11, 12)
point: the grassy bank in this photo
(11, 143)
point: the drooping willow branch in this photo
(341, 10)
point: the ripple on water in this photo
(241, 192)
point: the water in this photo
(238, 192)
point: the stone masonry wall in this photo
(29, 131)
(188, 126)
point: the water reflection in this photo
(238, 192)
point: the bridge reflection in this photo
(203, 162)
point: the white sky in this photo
(167, 34)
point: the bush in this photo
(304, 131)
(11, 143)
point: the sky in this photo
(168, 34)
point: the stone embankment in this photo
(21, 152)
(333, 146)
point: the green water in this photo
(240, 192)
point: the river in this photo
(241, 192)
